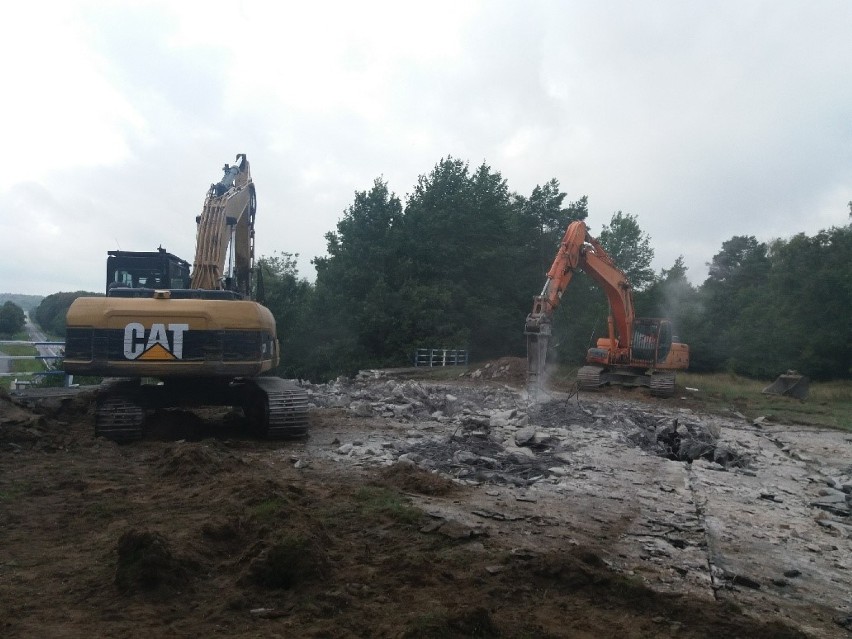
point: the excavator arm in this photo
(578, 250)
(227, 221)
(636, 351)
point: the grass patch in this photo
(145, 563)
(22, 365)
(13, 492)
(440, 624)
(415, 480)
(828, 405)
(378, 502)
(106, 510)
(269, 510)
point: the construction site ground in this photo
(426, 509)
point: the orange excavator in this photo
(635, 352)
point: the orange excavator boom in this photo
(633, 346)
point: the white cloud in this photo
(707, 121)
(59, 110)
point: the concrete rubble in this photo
(758, 513)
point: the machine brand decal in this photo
(161, 342)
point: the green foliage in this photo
(453, 269)
(377, 502)
(12, 319)
(50, 314)
(767, 308)
(290, 300)
(26, 302)
(630, 248)
(22, 365)
(829, 404)
(809, 288)
(457, 230)
(458, 264)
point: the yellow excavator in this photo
(166, 337)
(635, 352)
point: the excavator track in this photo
(590, 377)
(118, 417)
(662, 384)
(279, 410)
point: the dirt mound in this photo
(188, 459)
(146, 563)
(40, 427)
(411, 479)
(473, 622)
(18, 425)
(290, 562)
(173, 424)
(509, 370)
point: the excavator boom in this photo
(227, 221)
(632, 348)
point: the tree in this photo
(630, 248)
(291, 301)
(358, 282)
(459, 231)
(672, 296)
(541, 221)
(50, 313)
(12, 319)
(736, 281)
(809, 292)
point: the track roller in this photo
(590, 377)
(277, 409)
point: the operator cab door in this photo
(651, 342)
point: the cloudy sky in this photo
(704, 119)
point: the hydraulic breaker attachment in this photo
(538, 331)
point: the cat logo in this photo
(162, 342)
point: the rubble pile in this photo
(511, 370)
(494, 434)
(497, 435)
(370, 395)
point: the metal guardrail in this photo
(17, 342)
(69, 379)
(441, 357)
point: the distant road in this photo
(36, 335)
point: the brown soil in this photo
(228, 537)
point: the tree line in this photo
(457, 264)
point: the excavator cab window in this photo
(122, 277)
(664, 345)
(644, 342)
(148, 270)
